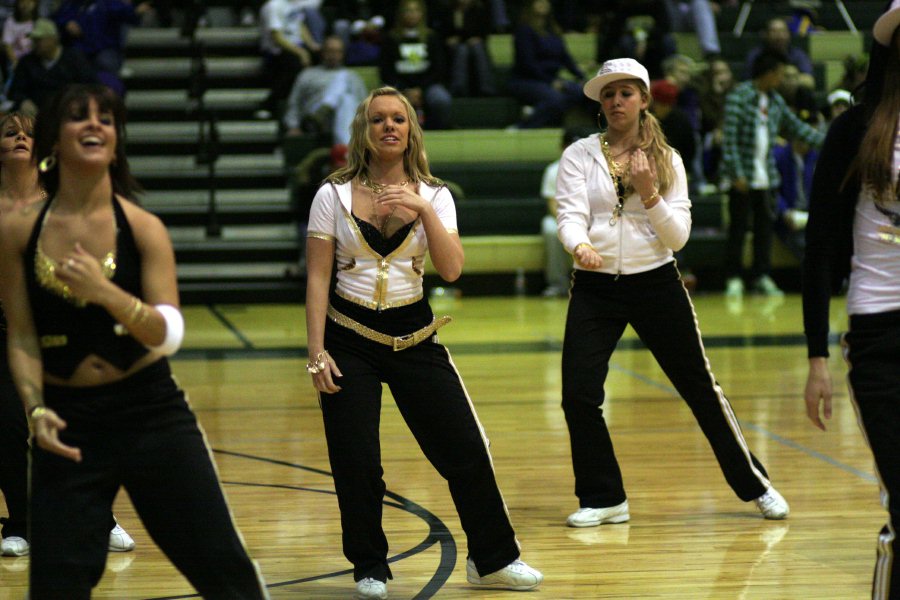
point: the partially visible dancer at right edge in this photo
(854, 228)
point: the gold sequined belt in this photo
(397, 343)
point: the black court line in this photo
(230, 327)
(473, 348)
(437, 532)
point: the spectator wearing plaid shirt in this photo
(755, 114)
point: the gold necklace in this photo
(377, 188)
(616, 171)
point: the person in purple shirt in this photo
(96, 27)
(777, 36)
(540, 55)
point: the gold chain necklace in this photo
(616, 171)
(377, 188)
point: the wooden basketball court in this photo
(689, 536)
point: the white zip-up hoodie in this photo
(641, 239)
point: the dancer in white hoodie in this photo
(623, 211)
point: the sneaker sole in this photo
(610, 520)
(502, 586)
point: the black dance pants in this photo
(658, 307)
(872, 350)
(138, 433)
(761, 203)
(434, 403)
(13, 453)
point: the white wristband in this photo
(174, 329)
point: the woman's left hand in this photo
(405, 196)
(643, 173)
(82, 273)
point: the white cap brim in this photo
(884, 27)
(616, 70)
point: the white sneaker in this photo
(119, 540)
(772, 505)
(591, 517)
(764, 285)
(515, 576)
(14, 546)
(371, 588)
(734, 287)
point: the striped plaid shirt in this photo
(741, 111)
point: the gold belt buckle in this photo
(400, 343)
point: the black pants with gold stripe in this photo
(657, 306)
(434, 403)
(872, 349)
(138, 433)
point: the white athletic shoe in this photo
(119, 540)
(772, 505)
(515, 576)
(14, 546)
(371, 589)
(591, 517)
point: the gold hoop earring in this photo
(48, 164)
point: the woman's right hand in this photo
(323, 379)
(818, 391)
(587, 257)
(46, 434)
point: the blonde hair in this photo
(652, 141)
(362, 147)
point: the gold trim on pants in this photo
(397, 343)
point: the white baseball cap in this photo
(615, 70)
(886, 24)
(840, 96)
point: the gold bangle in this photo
(651, 198)
(575, 249)
(318, 364)
(37, 412)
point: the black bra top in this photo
(377, 242)
(70, 330)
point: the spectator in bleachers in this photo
(16, 30)
(799, 98)
(465, 26)
(98, 28)
(796, 162)
(776, 36)
(755, 113)
(314, 19)
(680, 135)
(838, 101)
(715, 84)
(699, 15)
(363, 41)
(855, 68)
(412, 60)
(49, 68)
(557, 262)
(324, 97)
(540, 55)
(674, 121)
(288, 47)
(613, 39)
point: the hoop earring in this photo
(48, 164)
